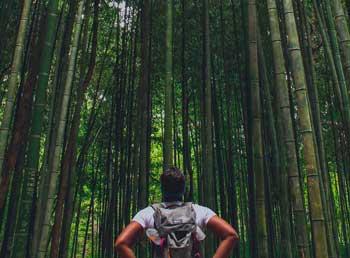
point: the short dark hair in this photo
(173, 181)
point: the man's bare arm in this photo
(125, 241)
(228, 235)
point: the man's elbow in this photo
(233, 238)
(236, 237)
(120, 245)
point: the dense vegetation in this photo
(249, 98)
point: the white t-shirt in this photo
(145, 216)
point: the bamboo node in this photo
(294, 49)
(300, 89)
(312, 175)
(306, 131)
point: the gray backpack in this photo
(175, 233)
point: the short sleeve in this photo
(203, 215)
(145, 217)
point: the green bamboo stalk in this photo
(53, 166)
(276, 182)
(37, 124)
(329, 53)
(338, 211)
(14, 79)
(316, 122)
(313, 181)
(341, 92)
(56, 98)
(187, 163)
(325, 183)
(168, 121)
(343, 33)
(278, 150)
(69, 157)
(207, 169)
(256, 133)
(143, 95)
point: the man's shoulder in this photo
(148, 209)
(200, 207)
(144, 217)
(145, 212)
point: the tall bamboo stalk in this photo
(53, 167)
(343, 33)
(14, 80)
(187, 165)
(207, 172)
(69, 157)
(33, 154)
(342, 93)
(333, 55)
(278, 149)
(309, 151)
(256, 132)
(168, 111)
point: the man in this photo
(173, 188)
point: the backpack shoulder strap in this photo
(187, 203)
(156, 206)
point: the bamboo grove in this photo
(250, 98)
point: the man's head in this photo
(173, 184)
